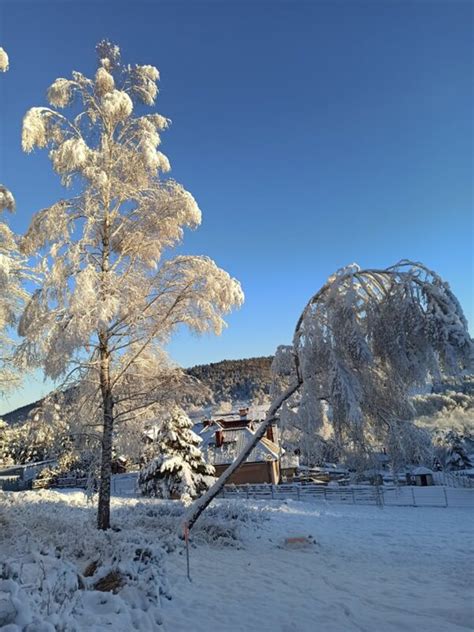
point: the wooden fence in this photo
(80, 483)
(411, 496)
(452, 479)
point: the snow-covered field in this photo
(370, 569)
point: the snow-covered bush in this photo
(226, 524)
(58, 573)
(67, 575)
(178, 469)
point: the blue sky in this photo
(312, 134)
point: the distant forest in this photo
(235, 380)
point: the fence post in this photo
(325, 495)
(298, 492)
(353, 497)
(413, 496)
(223, 492)
(445, 496)
(273, 493)
(247, 491)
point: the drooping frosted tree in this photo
(109, 299)
(363, 342)
(178, 469)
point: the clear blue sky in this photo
(312, 134)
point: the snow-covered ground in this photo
(393, 569)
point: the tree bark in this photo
(103, 512)
(198, 507)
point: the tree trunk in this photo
(103, 510)
(198, 507)
(103, 513)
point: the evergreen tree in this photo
(178, 469)
(457, 457)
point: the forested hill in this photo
(235, 380)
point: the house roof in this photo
(235, 440)
(416, 471)
(289, 460)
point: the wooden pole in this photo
(200, 505)
(186, 540)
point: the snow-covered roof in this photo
(252, 413)
(235, 439)
(152, 432)
(416, 471)
(289, 460)
(26, 466)
(332, 468)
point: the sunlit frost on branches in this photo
(7, 201)
(3, 60)
(12, 276)
(363, 343)
(60, 93)
(34, 133)
(104, 81)
(107, 298)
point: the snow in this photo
(418, 471)
(363, 568)
(235, 440)
(372, 569)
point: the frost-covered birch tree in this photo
(363, 342)
(109, 299)
(12, 276)
(12, 294)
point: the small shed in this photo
(289, 464)
(422, 476)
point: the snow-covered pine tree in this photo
(457, 457)
(108, 301)
(178, 469)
